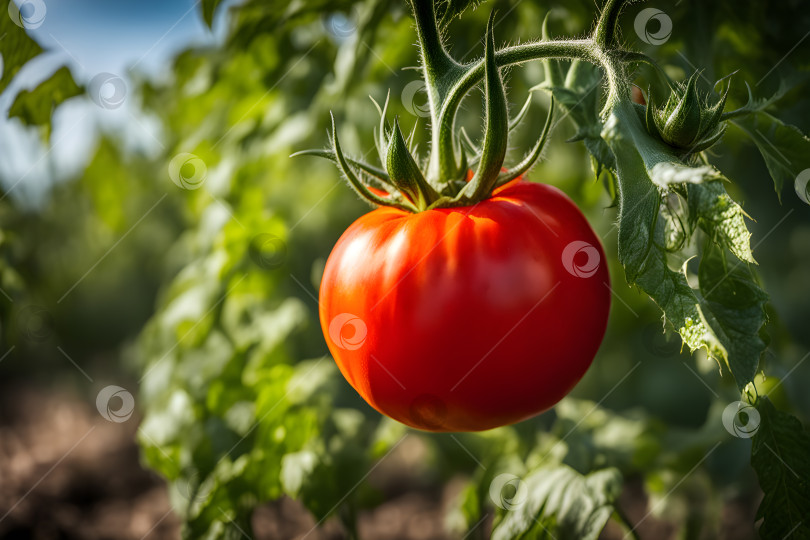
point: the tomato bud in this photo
(687, 122)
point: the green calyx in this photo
(405, 173)
(688, 121)
(414, 183)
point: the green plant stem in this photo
(448, 82)
(605, 33)
(584, 49)
(439, 70)
(442, 158)
(436, 61)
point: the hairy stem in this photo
(440, 72)
(448, 90)
(443, 127)
(605, 33)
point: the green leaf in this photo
(760, 104)
(779, 456)
(734, 329)
(559, 503)
(714, 211)
(35, 107)
(208, 9)
(642, 245)
(668, 173)
(295, 468)
(734, 305)
(16, 49)
(785, 149)
(598, 437)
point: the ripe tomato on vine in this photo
(467, 318)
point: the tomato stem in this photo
(447, 82)
(605, 33)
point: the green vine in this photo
(443, 183)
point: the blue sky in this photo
(114, 36)
(91, 37)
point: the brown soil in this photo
(67, 473)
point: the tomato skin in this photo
(469, 318)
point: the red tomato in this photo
(469, 318)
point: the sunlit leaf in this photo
(559, 503)
(35, 107)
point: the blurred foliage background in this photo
(201, 298)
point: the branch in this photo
(605, 33)
(518, 54)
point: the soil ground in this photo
(66, 473)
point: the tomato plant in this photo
(284, 316)
(446, 306)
